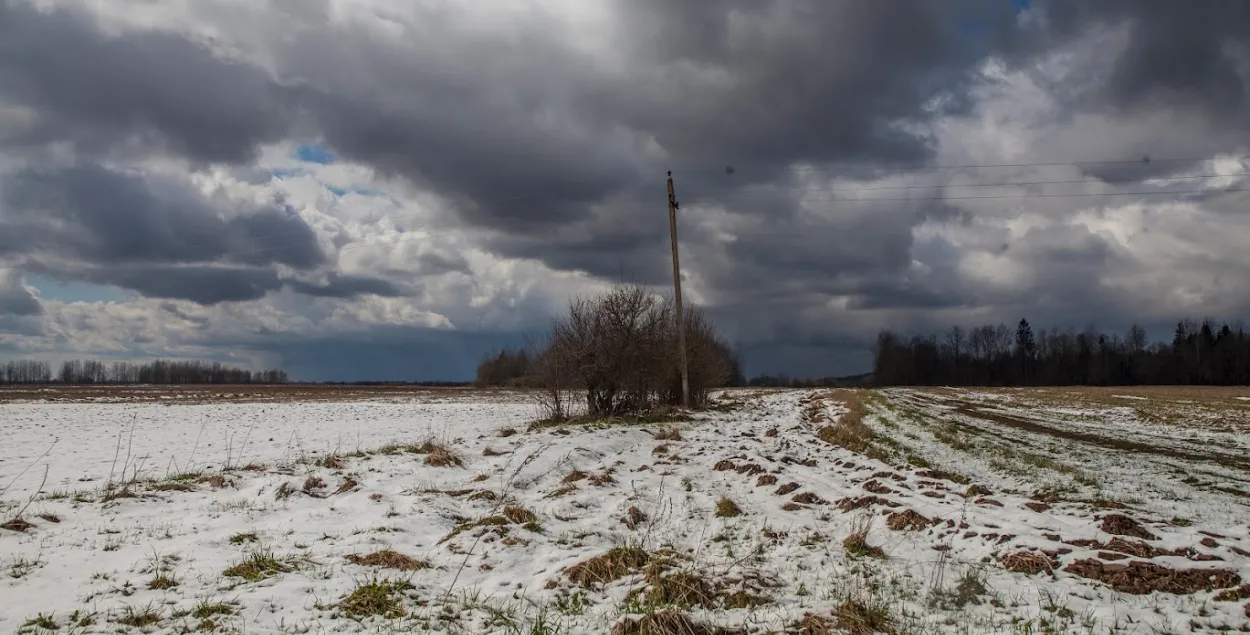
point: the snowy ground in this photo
(981, 512)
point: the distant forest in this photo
(518, 368)
(1200, 353)
(88, 372)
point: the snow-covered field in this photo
(979, 512)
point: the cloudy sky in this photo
(358, 189)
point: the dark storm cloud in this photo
(109, 217)
(15, 300)
(345, 286)
(1179, 53)
(204, 284)
(212, 284)
(811, 80)
(97, 90)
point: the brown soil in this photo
(1139, 577)
(808, 498)
(908, 520)
(849, 504)
(987, 501)
(1233, 595)
(787, 488)
(877, 488)
(1038, 507)
(1122, 525)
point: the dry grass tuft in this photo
(312, 484)
(172, 486)
(52, 518)
(726, 508)
(518, 515)
(611, 566)
(858, 617)
(332, 462)
(667, 622)
(683, 589)
(668, 434)
(258, 566)
(634, 517)
(376, 598)
(285, 491)
(1029, 562)
(390, 560)
(216, 481)
(813, 625)
(439, 455)
(348, 484)
(856, 545)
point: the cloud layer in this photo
(323, 183)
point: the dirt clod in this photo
(850, 504)
(808, 498)
(767, 479)
(907, 520)
(1140, 577)
(877, 488)
(1122, 525)
(787, 488)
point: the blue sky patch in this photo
(314, 153)
(76, 291)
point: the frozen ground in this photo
(979, 512)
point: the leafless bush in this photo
(620, 350)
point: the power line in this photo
(772, 188)
(1025, 196)
(879, 167)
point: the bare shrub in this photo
(619, 349)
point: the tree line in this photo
(1199, 353)
(88, 372)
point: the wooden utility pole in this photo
(681, 323)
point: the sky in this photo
(369, 189)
